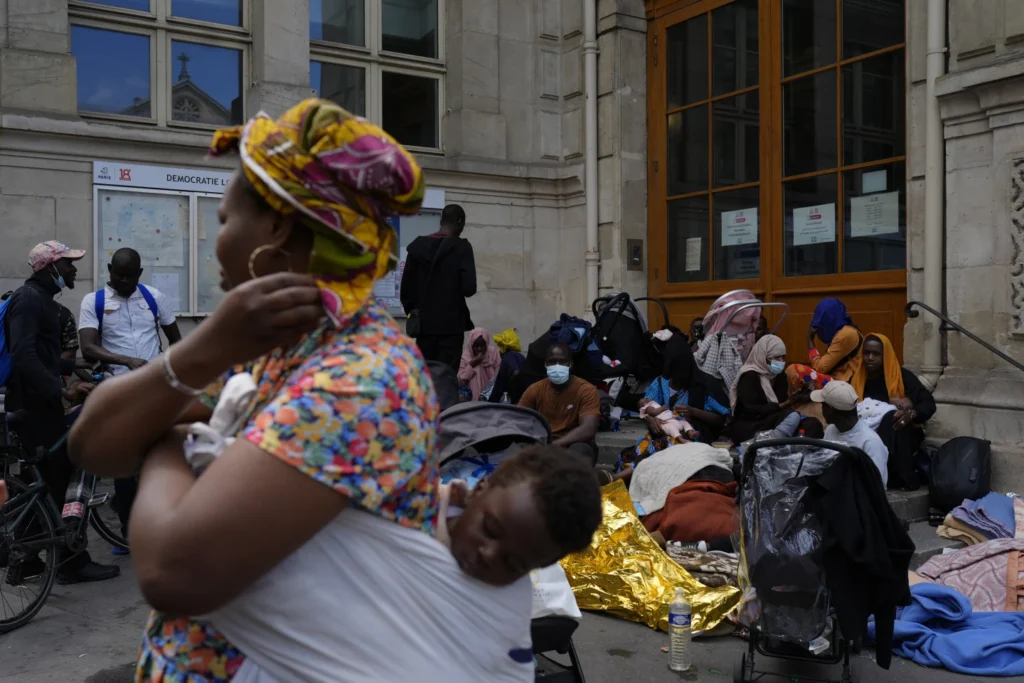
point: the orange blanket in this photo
(697, 511)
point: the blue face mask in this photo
(776, 366)
(59, 280)
(558, 374)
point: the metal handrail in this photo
(950, 325)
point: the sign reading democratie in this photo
(118, 174)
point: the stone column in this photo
(36, 71)
(622, 141)
(280, 55)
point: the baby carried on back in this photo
(418, 605)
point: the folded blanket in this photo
(711, 569)
(655, 476)
(940, 630)
(697, 511)
(991, 515)
(989, 574)
(956, 530)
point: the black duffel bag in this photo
(961, 470)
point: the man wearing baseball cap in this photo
(36, 387)
(839, 407)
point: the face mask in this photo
(776, 366)
(558, 374)
(59, 280)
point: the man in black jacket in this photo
(440, 274)
(36, 388)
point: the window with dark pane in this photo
(338, 21)
(688, 239)
(342, 84)
(227, 12)
(736, 140)
(410, 27)
(809, 121)
(687, 57)
(410, 108)
(734, 29)
(810, 213)
(688, 150)
(808, 35)
(737, 234)
(874, 108)
(874, 219)
(872, 26)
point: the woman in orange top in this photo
(833, 325)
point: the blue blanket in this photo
(940, 630)
(991, 516)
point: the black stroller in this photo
(781, 546)
(473, 440)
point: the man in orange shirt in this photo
(570, 405)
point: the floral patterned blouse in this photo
(353, 408)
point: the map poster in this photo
(814, 224)
(875, 214)
(739, 227)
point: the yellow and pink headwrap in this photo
(344, 176)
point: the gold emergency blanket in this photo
(625, 572)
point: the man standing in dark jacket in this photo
(440, 274)
(36, 387)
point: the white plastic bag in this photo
(552, 594)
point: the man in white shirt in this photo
(120, 324)
(839, 407)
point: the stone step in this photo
(928, 544)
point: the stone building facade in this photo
(506, 143)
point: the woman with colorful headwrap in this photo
(508, 380)
(344, 415)
(882, 378)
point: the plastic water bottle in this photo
(76, 498)
(679, 619)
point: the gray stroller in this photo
(474, 439)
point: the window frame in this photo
(663, 15)
(376, 61)
(163, 29)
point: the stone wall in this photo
(982, 108)
(513, 141)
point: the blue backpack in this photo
(6, 364)
(101, 300)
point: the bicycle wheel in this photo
(104, 518)
(29, 555)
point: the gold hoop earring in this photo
(259, 250)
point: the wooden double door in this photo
(777, 158)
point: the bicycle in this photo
(32, 531)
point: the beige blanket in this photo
(655, 476)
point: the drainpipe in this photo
(934, 191)
(590, 50)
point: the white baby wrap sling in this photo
(366, 599)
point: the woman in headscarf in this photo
(882, 378)
(691, 394)
(761, 400)
(833, 326)
(339, 439)
(480, 362)
(512, 363)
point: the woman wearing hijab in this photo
(480, 362)
(761, 399)
(882, 378)
(692, 395)
(833, 326)
(340, 438)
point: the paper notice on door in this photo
(814, 224)
(385, 288)
(693, 254)
(875, 214)
(167, 284)
(739, 227)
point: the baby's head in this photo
(537, 507)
